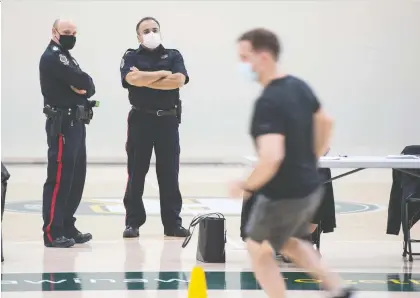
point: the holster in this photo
(56, 117)
(87, 111)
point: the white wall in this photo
(361, 57)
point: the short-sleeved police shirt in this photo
(147, 60)
(286, 107)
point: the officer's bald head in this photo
(63, 27)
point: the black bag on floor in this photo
(211, 237)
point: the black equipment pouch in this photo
(86, 112)
(211, 237)
(81, 113)
(56, 117)
(178, 108)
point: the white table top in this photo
(352, 162)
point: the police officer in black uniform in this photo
(66, 89)
(153, 75)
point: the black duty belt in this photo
(72, 113)
(159, 113)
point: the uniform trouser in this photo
(145, 132)
(66, 175)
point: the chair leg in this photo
(404, 227)
(318, 232)
(315, 238)
(408, 240)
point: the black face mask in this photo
(67, 41)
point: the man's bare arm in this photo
(323, 125)
(144, 78)
(271, 152)
(173, 81)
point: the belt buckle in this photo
(159, 113)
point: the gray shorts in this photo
(277, 220)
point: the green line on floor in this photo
(216, 280)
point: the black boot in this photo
(82, 237)
(131, 232)
(60, 242)
(77, 236)
(179, 232)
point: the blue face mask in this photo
(245, 69)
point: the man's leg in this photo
(61, 159)
(267, 229)
(139, 151)
(77, 187)
(167, 150)
(303, 254)
(266, 269)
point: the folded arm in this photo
(173, 81)
(144, 78)
(177, 79)
(61, 69)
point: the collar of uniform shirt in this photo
(159, 49)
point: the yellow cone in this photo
(197, 287)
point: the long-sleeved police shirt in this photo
(58, 71)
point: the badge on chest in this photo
(64, 59)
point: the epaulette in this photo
(174, 50)
(55, 49)
(129, 51)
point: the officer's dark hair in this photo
(263, 40)
(146, 19)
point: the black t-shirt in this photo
(286, 106)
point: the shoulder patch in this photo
(55, 48)
(64, 59)
(127, 52)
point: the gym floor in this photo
(152, 266)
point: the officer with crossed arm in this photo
(66, 89)
(153, 76)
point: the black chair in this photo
(325, 215)
(410, 198)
